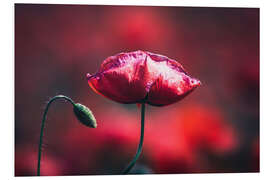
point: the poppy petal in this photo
(142, 76)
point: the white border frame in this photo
(7, 84)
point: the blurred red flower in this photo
(182, 143)
(207, 128)
(141, 76)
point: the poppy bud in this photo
(142, 77)
(84, 115)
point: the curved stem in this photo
(139, 150)
(43, 125)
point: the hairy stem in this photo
(43, 125)
(139, 150)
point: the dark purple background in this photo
(214, 129)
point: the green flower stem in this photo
(139, 150)
(43, 124)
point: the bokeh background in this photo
(214, 129)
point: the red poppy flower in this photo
(141, 76)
